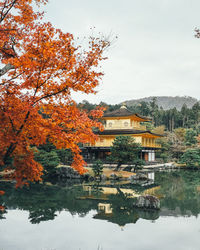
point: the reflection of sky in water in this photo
(67, 232)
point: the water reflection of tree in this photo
(2, 213)
(43, 202)
(123, 211)
(97, 189)
(45, 214)
(180, 190)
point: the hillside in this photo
(166, 102)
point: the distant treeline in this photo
(171, 119)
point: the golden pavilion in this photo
(124, 122)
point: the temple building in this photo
(124, 122)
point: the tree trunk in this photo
(5, 69)
(118, 166)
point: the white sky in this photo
(156, 52)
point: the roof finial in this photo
(123, 106)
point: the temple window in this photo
(125, 124)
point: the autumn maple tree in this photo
(39, 67)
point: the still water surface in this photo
(101, 217)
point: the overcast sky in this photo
(156, 52)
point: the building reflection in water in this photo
(105, 208)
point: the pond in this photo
(100, 216)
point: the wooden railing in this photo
(151, 145)
(103, 144)
(138, 127)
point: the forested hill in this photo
(179, 115)
(166, 102)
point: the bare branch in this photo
(50, 95)
(9, 7)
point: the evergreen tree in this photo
(126, 151)
(191, 158)
(97, 168)
(190, 137)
